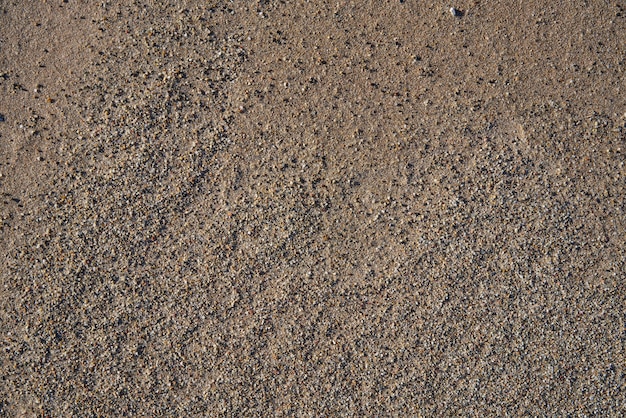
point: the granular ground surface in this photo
(312, 208)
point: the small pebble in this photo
(455, 12)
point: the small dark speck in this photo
(456, 12)
(2, 119)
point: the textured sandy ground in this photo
(325, 208)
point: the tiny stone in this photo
(455, 12)
(2, 119)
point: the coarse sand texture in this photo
(312, 208)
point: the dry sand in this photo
(324, 208)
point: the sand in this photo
(291, 208)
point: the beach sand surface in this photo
(312, 208)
